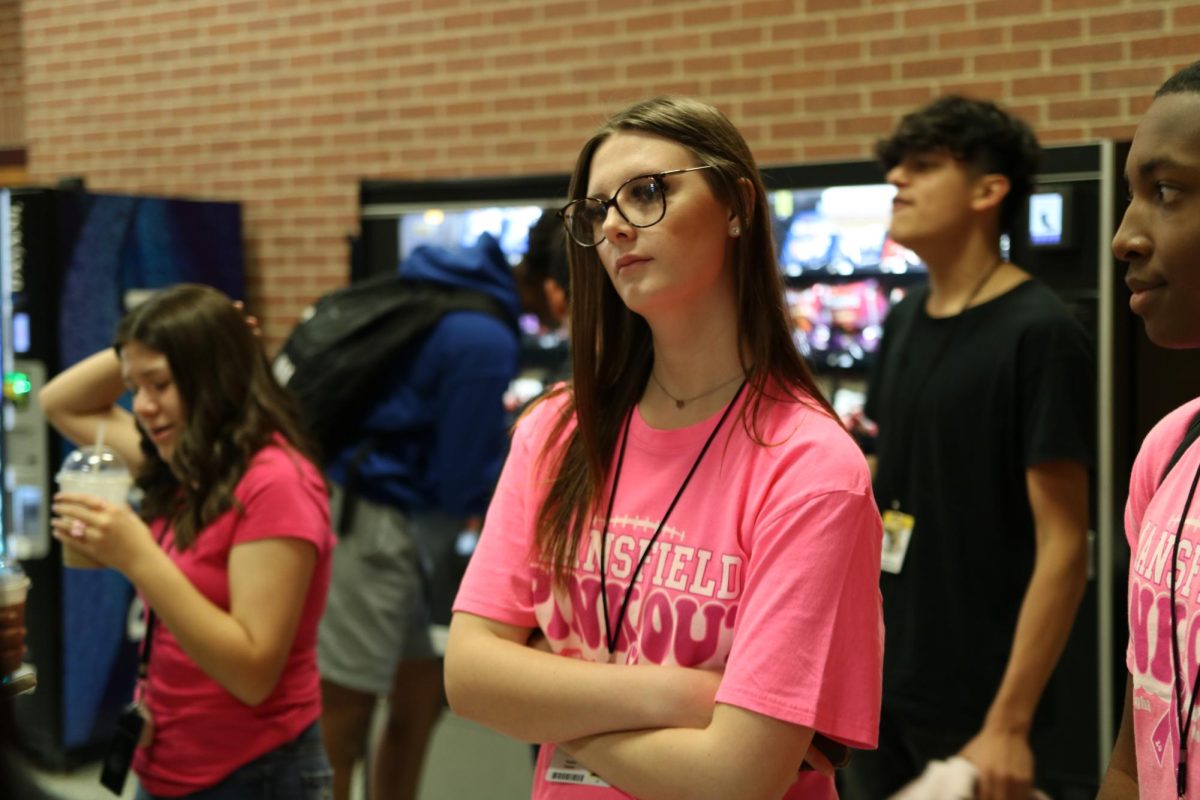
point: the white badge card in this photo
(564, 769)
(897, 532)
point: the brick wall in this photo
(286, 104)
(12, 107)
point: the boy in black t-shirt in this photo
(984, 398)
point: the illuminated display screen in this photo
(461, 228)
(838, 230)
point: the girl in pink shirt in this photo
(677, 582)
(231, 552)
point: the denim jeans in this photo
(297, 769)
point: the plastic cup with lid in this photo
(97, 471)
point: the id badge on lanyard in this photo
(564, 769)
(897, 533)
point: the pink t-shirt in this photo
(201, 731)
(1151, 520)
(768, 569)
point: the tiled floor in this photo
(465, 762)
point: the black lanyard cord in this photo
(611, 635)
(1179, 679)
(151, 618)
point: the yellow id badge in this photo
(897, 531)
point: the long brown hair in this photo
(232, 404)
(611, 347)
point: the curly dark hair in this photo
(1186, 81)
(234, 406)
(979, 134)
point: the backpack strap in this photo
(350, 491)
(1192, 433)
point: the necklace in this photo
(680, 402)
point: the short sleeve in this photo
(808, 646)
(1058, 393)
(1152, 459)
(283, 496)
(499, 583)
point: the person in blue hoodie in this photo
(419, 472)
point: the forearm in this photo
(539, 697)
(210, 636)
(1043, 625)
(77, 401)
(1118, 785)
(1121, 779)
(726, 759)
(91, 386)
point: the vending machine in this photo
(74, 263)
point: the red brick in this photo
(737, 37)
(798, 128)
(932, 68)
(1159, 46)
(868, 24)
(825, 53)
(1047, 30)
(988, 9)
(1150, 20)
(1186, 16)
(984, 90)
(1057, 83)
(855, 76)
(1084, 109)
(1147, 78)
(936, 16)
(815, 6)
(802, 79)
(752, 9)
(760, 59)
(1081, 5)
(836, 152)
(805, 30)
(886, 98)
(1088, 54)
(1117, 132)
(707, 15)
(915, 43)
(876, 124)
(833, 101)
(775, 107)
(1008, 62)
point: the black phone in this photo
(120, 751)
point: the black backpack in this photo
(337, 357)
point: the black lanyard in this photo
(611, 635)
(1177, 682)
(909, 434)
(151, 618)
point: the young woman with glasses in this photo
(677, 582)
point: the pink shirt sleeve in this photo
(283, 496)
(499, 583)
(808, 648)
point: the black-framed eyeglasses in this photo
(641, 201)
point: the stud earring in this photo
(735, 231)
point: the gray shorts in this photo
(376, 615)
